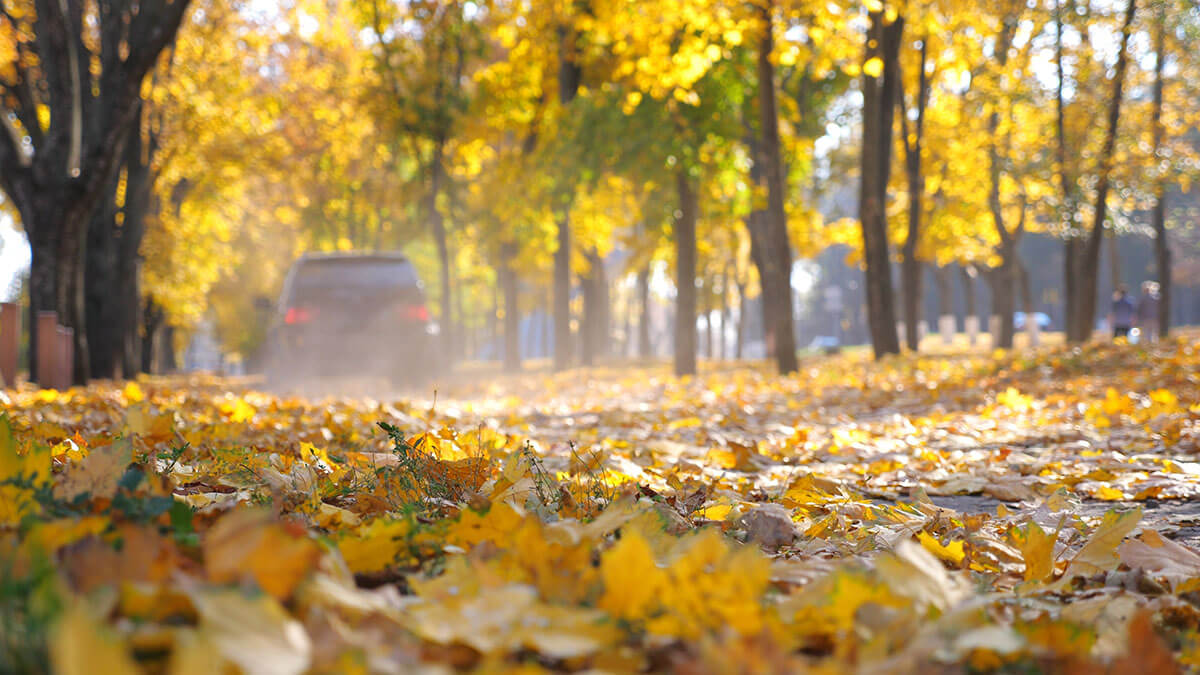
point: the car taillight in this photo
(297, 315)
(415, 312)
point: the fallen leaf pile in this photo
(1022, 512)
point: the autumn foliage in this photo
(905, 515)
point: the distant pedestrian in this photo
(1121, 317)
(1147, 311)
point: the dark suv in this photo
(352, 314)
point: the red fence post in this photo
(10, 341)
(66, 357)
(47, 349)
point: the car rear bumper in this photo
(383, 353)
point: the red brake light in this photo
(297, 315)
(415, 312)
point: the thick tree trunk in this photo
(437, 226)
(685, 276)
(1001, 280)
(879, 102)
(643, 293)
(911, 273)
(111, 267)
(512, 310)
(59, 187)
(778, 255)
(595, 309)
(562, 295)
(103, 297)
(1027, 304)
(1162, 252)
(152, 322)
(1090, 264)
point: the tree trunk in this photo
(1001, 279)
(1090, 263)
(111, 266)
(911, 272)
(778, 255)
(437, 227)
(722, 343)
(946, 323)
(1114, 259)
(1162, 252)
(685, 276)
(569, 77)
(59, 186)
(971, 318)
(740, 345)
(512, 310)
(102, 294)
(1071, 241)
(643, 293)
(152, 321)
(594, 329)
(879, 102)
(1027, 304)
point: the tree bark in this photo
(739, 344)
(1162, 252)
(1090, 263)
(512, 310)
(111, 265)
(1071, 240)
(1027, 303)
(910, 267)
(643, 293)
(879, 102)
(722, 343)
(437, 226)
(1002, 281)
(595, 301)
(59, 187)
(569, 76)
(1002, 278)
(778, 254)
(685, 276)
(972, 307)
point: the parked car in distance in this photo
(825, 343)
(352, 314)
(1043, 320)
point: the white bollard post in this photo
(900, 331)
(1033, 329)
(972, 326)
(922, 330)
(994, 329)
(946, 328)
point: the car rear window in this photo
(366, 274)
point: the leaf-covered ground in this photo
(617, 520)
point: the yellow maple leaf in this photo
(1037, 549)
(952, 552)
(632, 579)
